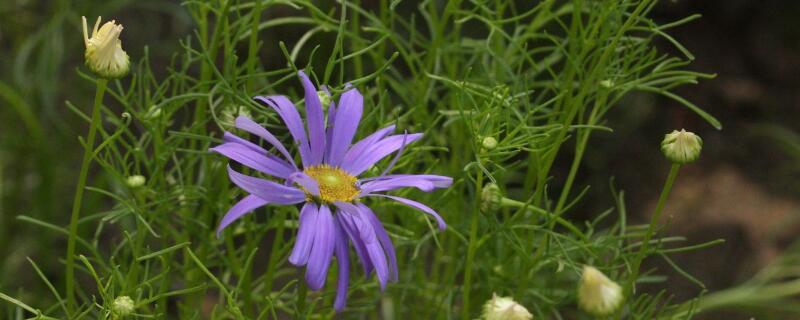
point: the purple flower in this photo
(327, 184)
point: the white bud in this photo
(597, 294)
(681, 146)
(504, 308)
(136, 181)
(123, 306)
(104, 54)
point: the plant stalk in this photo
(76, 203)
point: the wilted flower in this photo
(597, 294)
(504, 308)
(136, 181)
(681, 146)
(123, 306)
(332, 214)
(104, 54)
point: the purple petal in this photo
(250, 126)
(322, 250)
(346, 221)
(267, 190)
(415, 205)
(230, 137)
(294, 123)
(315, 119)
(361, 146)
(351, 105)
(383, 238)
(309, 184)
(367, 234)
(343, 261)
(378, 151)
(244, 206)
(307, 226)
(396, 183)
(258, 161)
(438, 181)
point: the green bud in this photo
(491, 197)
(489, 143)
(123, 306)
(325, 99)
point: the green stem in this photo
(76, 203)
(302, 292)
(473, 244)
(651, 230)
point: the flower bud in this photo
(325, 99)
(136, 181)
(597, 294)
(228, 117)
(123, 306)
(681, 146)
(489, 143)
(504, 308)
(491, 197)
(104, 54)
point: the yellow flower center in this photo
(334, 183)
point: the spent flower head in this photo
(681, 146)
(104, 54)
(504, 308)
(597, 294)
(326, 182)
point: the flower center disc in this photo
(334, 183)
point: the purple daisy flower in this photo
(332, 215)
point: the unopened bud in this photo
(489, 143)
(491, 197)
(504, 308)
(681, 146)
(136, 181)
(325, 99)
(597, 294)
(123, 306)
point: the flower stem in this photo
(473, 244)
(76, 203)
(651, 230)
(300, 304)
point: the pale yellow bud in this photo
(504, 308)
(681, 146)
(104, 54)
(597, 294)
(136, 181)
